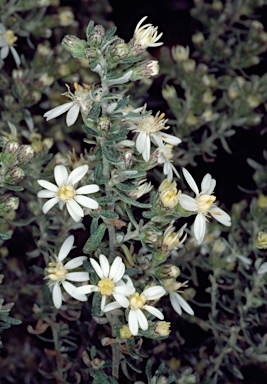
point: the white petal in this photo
(104, 264)
(117, 269)
(49, 204)
(97, 268)
(262, 269)
(74, 210)
(86, 202)
(66, 248)
(146, 151)
(61, 175)
(142, 320)
(156, 138)
(141, 142)
(199, 227)
(72, 114)
(77, 276)
(4, 52)
(133, 322)
(55, 112)
(84, 289)
(188, 202)
(220, 215)
(111, 306)
(121, 299)
(170, 139)
(77, 174)
(175, 303)
(208, 184)
(76, 262)
(47, 185)
(87, 189)
(16, 56)
(186, 307)
(153, 293)
(125, 290)
(191, 181)
(70, 289)
(44, 194)
(154, 311)
(103, 302)
(57, 295)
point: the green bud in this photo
(119, 50)
(96, 37)
(90, 54)
(144, 69)
(14, 175)
(103, 124)
(9, 154)
(74, 45)
(25, 153)
(11, 204)
(166, 271)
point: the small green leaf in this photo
(90, 28)
(95, 111)
(106, 199)
(96, 303)
(92, 274)
(90, 131)
(95, 239)
(109, 214)
(130, 201)
(109, 33)
(10, 320)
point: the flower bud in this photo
(119, 50)
(162, 328)
(9, 154)
(25, 153)
(12, 204)
(14, 175)
(144, 69)
(74, 45)
(96, 37)
(125, 332)
(262, 240)
(167, 270)
(90, 54)
(262, 201)
(169, 198)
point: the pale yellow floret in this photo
(56, 271)
(137, 301)
(106, 286)
(9, 37)
(204, 202)
(66, 192)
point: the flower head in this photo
(202, 204)
(65, 191)
(143, 188)
(149, 130)
(58, 274)
(168, 194)
(7, 42)
(109, 283)
(177, 301)
(147, 35)
(81, 102)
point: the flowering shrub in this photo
(150, 258)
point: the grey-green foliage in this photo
(208, 89)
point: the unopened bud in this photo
(167, 270)
(25, 153)
(119, 50)
(262, 240)
(9, 154)
(262, 201)
(103, 124)
(96, 37)
(162, 328)
(14, 175)
(11, 204)
(125, 332)
(74, 45)
(144, 69)
(90, 54)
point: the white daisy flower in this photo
(7, 42)
(81, 102)
(147, 35)
(177, 301)
(65, 192)
(202, 204)
(165, 158)
(148, 129)
(58, 274)
(109, 283)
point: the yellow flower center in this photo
(152, 124)
(169, 198)
(56, 271)
(137, 301)
(172, 240)
(9, 37)
(106, 286)
(204, 202)
(66, 192)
